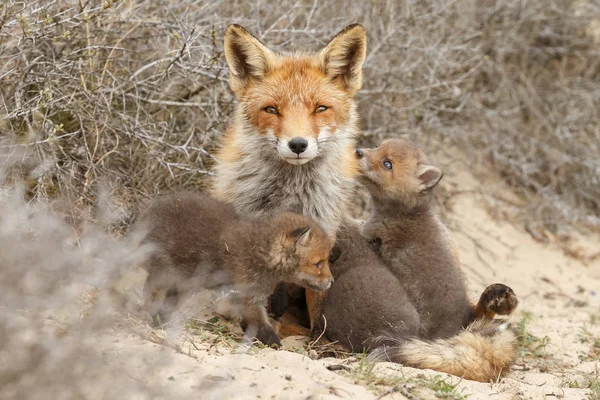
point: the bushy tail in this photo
(482, 352)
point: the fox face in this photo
(296, 104)
(397, 170)
(304, 251)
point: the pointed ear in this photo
(246, 57)
(344, 55)
(301, 235)
(429, 176)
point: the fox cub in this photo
(200, 243)
(361, 310)
(410, 236)
(417, 306)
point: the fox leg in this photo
(496, 299)
(164, 291)
(315, 302)
(255, 322)
(279, 300)
(288, 325)
(153, 297)
(288, 306)
(159, 298)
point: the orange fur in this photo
(284, 330)
(229, 152)
(471, 354)
(296, 95)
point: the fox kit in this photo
(369, 302)
(291, 143)
(410, 235)
(202, 244)
(414, 244)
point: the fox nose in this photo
(359, 153)
(298, 145)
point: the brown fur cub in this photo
(368, 302)
(410, 235)
(414, 244)
(202, 244)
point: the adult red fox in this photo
(291, 144)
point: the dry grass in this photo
(134, 94)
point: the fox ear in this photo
(344, 55)
(429, 176)
(301, 235)
(246, 57)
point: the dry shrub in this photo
(54, 299)
(136, 92)
(512, 84)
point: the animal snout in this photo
(325, 283)
(359, 153)
(298, 145)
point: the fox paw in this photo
(498, 299)
(268, 337)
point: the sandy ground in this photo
(558, 317)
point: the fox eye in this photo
(319, 264)
(320, 109)
(387, 164)
(271, 110)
